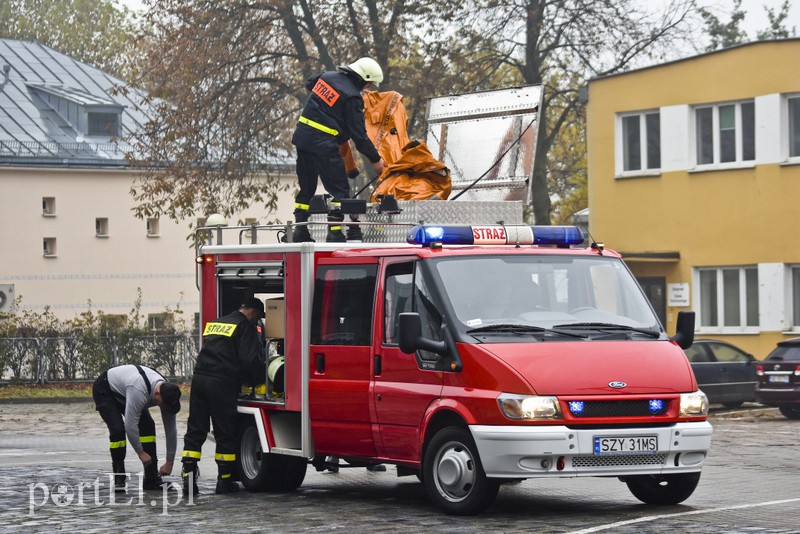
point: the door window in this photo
(343, 305)
(397, 298)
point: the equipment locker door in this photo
(402, 391)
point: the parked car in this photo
(779, 378)
(725, 373)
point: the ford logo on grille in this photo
(617, 384)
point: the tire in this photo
(453, 475)
(267, 472)
(790, 411)
(663, 490)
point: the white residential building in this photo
(69, 235)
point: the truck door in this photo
(341, 339)
(402, 391)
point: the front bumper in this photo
(558, 451)
(775, 396)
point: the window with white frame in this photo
(641, 141)
(49, 247)
(725, 133)
(101, 227)
(153, 227)
(49, 206)
(794, 127)
(728, 297)
(248, 221)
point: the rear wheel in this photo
(790, 411)
(663, 489)
(453, 475)
(267, 472)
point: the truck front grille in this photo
(579, 462)
(629, 408)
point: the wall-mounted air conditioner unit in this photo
(6, 297)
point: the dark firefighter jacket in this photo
(231, 351)
(334, 113)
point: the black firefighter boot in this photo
(300, 234)
(225, 482)
(120, 477)
(354, 233)
(190, 473)
(152, 480)
(335, 234)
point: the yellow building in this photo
(694, 176)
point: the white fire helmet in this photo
(368, 69)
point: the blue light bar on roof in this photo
(562, 236)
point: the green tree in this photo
(777, 24)
(98, 32)
(725, 34)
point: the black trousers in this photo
(329, 168)
(112, 410)
(212, 400)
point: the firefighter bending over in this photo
(333, 114)
(231, 356)
(123, 395)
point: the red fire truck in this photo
(469, 356)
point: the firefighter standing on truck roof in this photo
(231, 355)
(333, 114)
(123, 395)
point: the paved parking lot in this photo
(54, 464)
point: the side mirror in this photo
(684, 330)
(410, 333)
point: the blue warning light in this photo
(561, 236)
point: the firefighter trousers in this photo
(212, 400)
(112, 409)
(329, 168)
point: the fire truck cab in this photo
(470, 356)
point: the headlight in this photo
(694, 404)
(530, 407)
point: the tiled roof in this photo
(42, 100)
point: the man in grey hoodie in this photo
(123, 396)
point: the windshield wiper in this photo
(507, 327)
(610, 326)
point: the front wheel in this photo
(453, 474)
(790, 411)
(663, 490)
(267, 472)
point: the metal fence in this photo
(55, 359)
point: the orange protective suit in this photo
(412, 173)
(386, 121)
(416, 175)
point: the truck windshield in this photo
(545, 291)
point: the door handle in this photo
(320, 363)
(377, 364)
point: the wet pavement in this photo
(54, 467)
